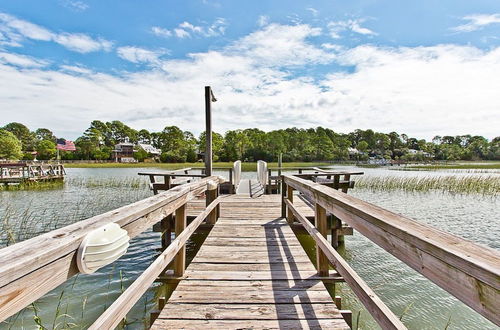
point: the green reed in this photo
(470, 184)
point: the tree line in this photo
(295, 144)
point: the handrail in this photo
(31, 268)
(121, 306)
(236, 174)
(262, 174)
(468, 271)
(382, 314)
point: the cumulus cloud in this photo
(422, 91)
(477, 22)
(161, 32)
(140, 55)
(336, 28)
(14, 30)
(187, 30)
(283, 45)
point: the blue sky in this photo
(421, 67)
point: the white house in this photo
(150, 149)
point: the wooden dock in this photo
(16, 173)
(251, 272)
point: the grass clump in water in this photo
(486, 185)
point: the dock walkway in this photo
(251, 272)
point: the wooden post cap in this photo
(211, 185)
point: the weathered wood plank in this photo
(250, 324)
(253, 276)
(250, 311)
(284, 285)
(303, 266)
(249, 296)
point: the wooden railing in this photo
(185, 175)
(31, 268)
(468, 271)
(31, 171)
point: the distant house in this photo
(150, 149)
(417, 152)
(354, 152)
(124, 153)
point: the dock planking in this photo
(251, 272)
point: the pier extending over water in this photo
(251, 272)
(15, 173)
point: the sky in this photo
(423, 68)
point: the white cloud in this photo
(336, 28)
(263, 20)
(75, 5)
(15, 30)
(76, 69)
(186, 29)
(282, 45)
(82, 43)
(313, 11)
(161, 32)
(21, 60)
(181, 33)
(140, 55)
(477, 22)
(422, 91)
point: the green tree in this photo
(10, 146)
(217, 144)
(362, 146)
(140, 154)
(45, 149)
(23, 134)
(45, 134)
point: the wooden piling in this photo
(321, 225)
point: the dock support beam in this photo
(211, 195)
(180, 225)
(283, 197)
(289, 196)
(321, 225)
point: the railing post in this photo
(211, 194)
(336, 231)
(347, 178)
(289, 195)
(321, 259)
(336, 181)
(283, 196)
(180, 225)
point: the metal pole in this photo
(208, 131)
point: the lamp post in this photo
(209, 98)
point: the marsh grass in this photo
(459, 166)
(470, 184)
(33, 185)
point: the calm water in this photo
(82, 299)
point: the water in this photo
(421, 304)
